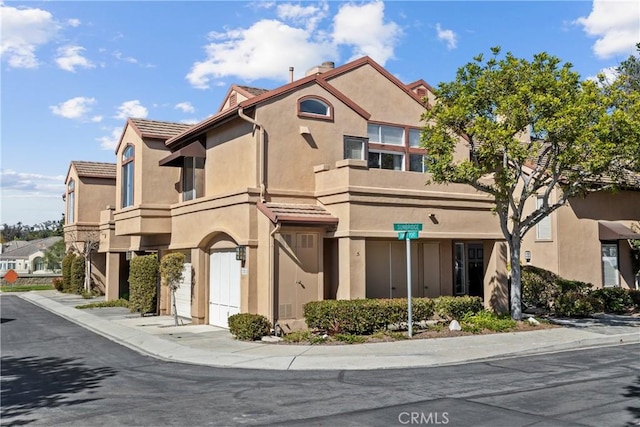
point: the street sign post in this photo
(408, 232)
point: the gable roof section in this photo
(246, 91)
(95, 169)
(251, 91)
(321, 80)
(31, 247)
(153, 129)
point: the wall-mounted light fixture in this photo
(527, 256)
(241, 253)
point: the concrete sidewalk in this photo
(212, 346)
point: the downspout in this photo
(272, 244)
(261, 159)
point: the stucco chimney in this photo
(322, 68)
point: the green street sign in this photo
(407, 235)
(407, 227)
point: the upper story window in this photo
(315, 107)
(395, 147)
(127, 175)
(355, 148)
(543, 228)
(71, 201)
(192, 178)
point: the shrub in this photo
(486, 320)
(298, 336)
(538, 287)
(350, 338)
(457, 307)
(58, 283)
(364, 316)
(634, 294)
(66, 271)
(76, 281)
(576, 303)
(113, 303)
(143, 274)
(249, 327)
(614, 300)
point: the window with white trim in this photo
(192, 178)
(543, 228)
(386, 160)
(382, 134)
(71, 202)
(127, 176)
(355, 148)
(414, 138)
(610, 272)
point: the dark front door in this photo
(475, 269)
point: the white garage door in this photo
(183, 293)
(224, 287)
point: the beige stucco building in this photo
(291, 195)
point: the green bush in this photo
(350, 338)
(113, 303)
(538, 287)
(634, 294)
(143, 274)
(614, 300)
(486, 320)
(298, 336)
(76, 282)
(457, 307)
(66, 271)
(249, 327)
(58, 283)
(576, 303)
(364, 316)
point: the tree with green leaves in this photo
(171, 268)
(532, 127)
(53, 256)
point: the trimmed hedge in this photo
(66, 271)
(76, 280)
(143, 274)
(457, 307)
(614, 300)
(538, 287)
(249, 327)
(575, 303)
(364, 316)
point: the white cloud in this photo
(31, 182)
(70, 57)
(74, 108)
(23, 31)
(110, 142)
(185, 107)
(269, 47)
(264, 50)
(189, 121)
(610, 74)
(131, 109)
(363, 27)
(120, 57)
(447, 36)
(73, 22)
(616, 25)
(309, 16)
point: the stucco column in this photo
(199, 304)
(496, 285)
(352, 268)
(112, 273)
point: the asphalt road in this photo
(57, 373)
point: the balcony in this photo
(143, 220)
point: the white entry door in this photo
(183, 293)
(224, 287)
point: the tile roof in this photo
(31, 247)
(253, 90)
(297, 213)
(158, 129)
(95, 169)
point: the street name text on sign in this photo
(408, 232)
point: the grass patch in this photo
(25, 288)
(394, 335)
(350, 338)
(486, 320)
(114, 303)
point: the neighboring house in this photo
(26, 257)
(290, 195)
(588, 239)
(90, 189)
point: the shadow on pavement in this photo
(633, 391)
(31, 383)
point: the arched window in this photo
(38, 264)
(315, 107)
(127, 176)
(71, 202)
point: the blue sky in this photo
(73, 71)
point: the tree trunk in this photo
(516, 276)
(175, 308)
